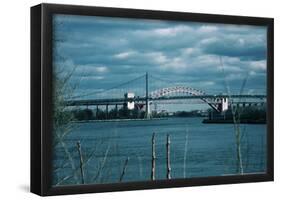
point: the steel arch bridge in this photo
(176, 90)
(165, 94)
(179, 91)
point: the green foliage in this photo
(193, 113)
(85, 114)
(122, 113)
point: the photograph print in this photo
(144, 100)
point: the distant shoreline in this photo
(118, 120)
(204, 121)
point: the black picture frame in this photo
(41, 95)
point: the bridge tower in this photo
(147, 107)
(129, 103)
(223, 104)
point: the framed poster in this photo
(125, 99)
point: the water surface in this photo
(210, 150)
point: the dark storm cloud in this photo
(108, 51)
(236, 47)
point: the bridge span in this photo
(132, 100)
(121, 101)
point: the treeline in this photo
(193, 113)
(244, 115)
(123, 113)
(88, 114)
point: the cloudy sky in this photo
(108, 51)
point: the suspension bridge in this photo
(141, 93)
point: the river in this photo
(210, 150)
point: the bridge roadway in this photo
(120, 101)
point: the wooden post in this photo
(81, 162)
(153, 158)
(168, 158)
(124, 169)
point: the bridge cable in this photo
(118, 86)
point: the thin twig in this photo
(153, 158)
(70, 159)
(102, 164)
(81, 162)
(124, 169)
(236, 121)
(168, 157)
